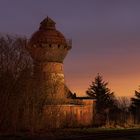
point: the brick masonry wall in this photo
(71, 115)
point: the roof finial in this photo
(47, 23)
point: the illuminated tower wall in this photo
(48, 48)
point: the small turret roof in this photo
(48, 34)
(47, 23)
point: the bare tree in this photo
(15, 70)
(123, 115)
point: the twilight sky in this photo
(105, 35)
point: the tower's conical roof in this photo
(47, 34)
(47, 23)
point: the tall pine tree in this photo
(135, 106)
(104, 97)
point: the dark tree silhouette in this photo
(14, 61)
(104, 97)
(135, 106)
(99, 90)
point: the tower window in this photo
(50, 45)
(58, 46)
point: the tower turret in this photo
(48, 48)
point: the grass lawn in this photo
(72, 132)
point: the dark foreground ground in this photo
(79, 134)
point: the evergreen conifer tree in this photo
(135, 106)
(104, 97)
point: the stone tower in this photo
(48, 48)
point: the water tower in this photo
(48, 47)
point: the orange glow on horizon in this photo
(120, 86)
